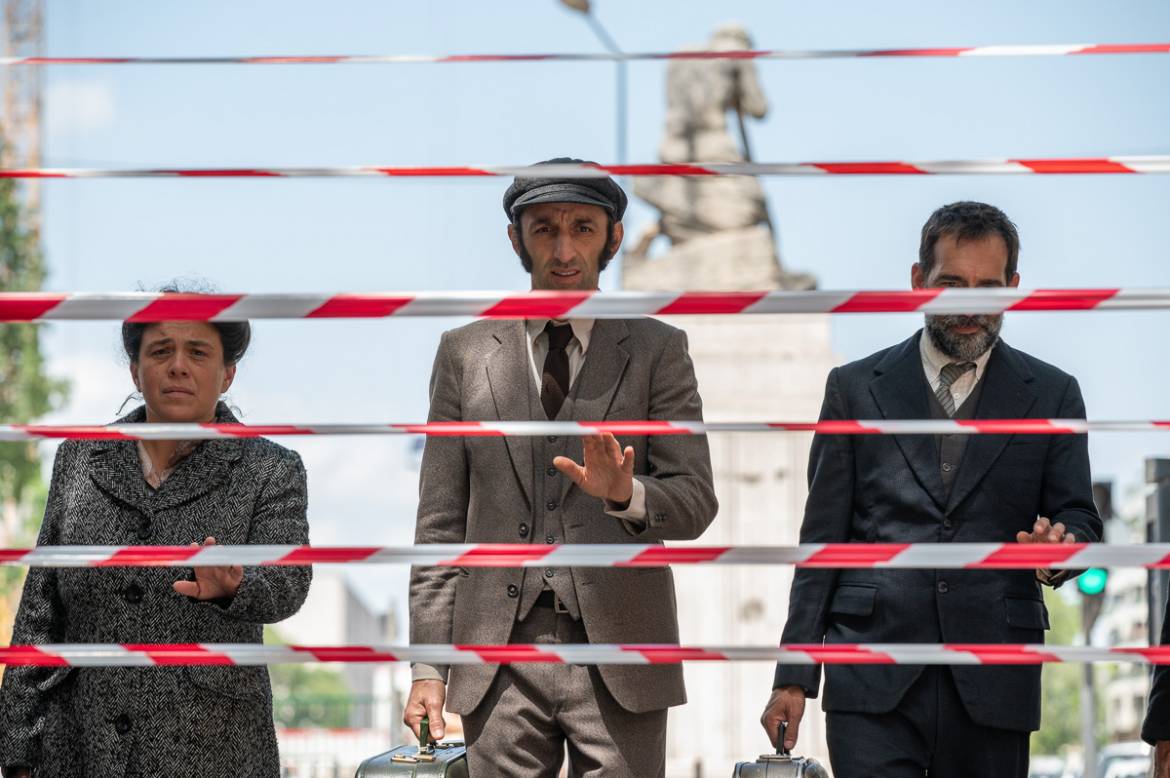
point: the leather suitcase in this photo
(781, 765)
(432, 760)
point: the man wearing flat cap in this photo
(520, 719)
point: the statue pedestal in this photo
(749, 368)
(732, 260)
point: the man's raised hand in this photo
(608, 471)
(1044, 531)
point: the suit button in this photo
(548, 573)
(552, 438)
(523, 530)
(144, 529)
(948, 524)
(513, 590)
(551, 471)
(942, 587)
(132, 594)
(549, 539)
(551, 505)
(947, 467)
(123, 725)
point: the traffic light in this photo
(1092, 582)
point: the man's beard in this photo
(964, 348)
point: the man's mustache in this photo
(983, 321)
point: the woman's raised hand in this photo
(212, 583)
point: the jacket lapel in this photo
(202, 470)
(509, 375)
(597, 383)
(1007, 394)
(899, 388)
(117, 470)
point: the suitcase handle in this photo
(425, 744)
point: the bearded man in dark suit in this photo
(906, 720)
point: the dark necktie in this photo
(554, 384)
(947, 376)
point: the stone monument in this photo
(749, 368)
(704, 217)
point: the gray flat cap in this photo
(602, 192)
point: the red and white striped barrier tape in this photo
(906, 556)
(160, 306)
(1025, 50)
(1072, 165)
(483, 429)
(163, 655)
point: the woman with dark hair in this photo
(173, 721)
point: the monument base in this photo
(748, 368)
(737, 260)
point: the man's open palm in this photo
(608, 472)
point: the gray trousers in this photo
(532, 712)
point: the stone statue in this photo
(720, 231)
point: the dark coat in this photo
(475, 490)
(173, 721)
(1157, 724)
(888, 489)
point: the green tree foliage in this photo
(1060, 712)
(26, 393)
(308, 696)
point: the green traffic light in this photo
(1092, 581)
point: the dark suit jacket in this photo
(478, 490)
(1157, 723)
(888, 489)
(71, 722)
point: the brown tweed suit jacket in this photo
(174, 721)
(479, 489)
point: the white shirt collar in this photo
(582, 329)
(933, 360)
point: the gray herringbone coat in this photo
(174, 721)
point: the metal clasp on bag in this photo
(426, 746)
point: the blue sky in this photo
(354, 235)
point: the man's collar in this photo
(582, 329)
(934, 360)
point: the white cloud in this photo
(77, 107)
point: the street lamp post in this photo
(583, 7)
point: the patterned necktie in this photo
(554, 384)
(949, 374)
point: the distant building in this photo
(1123, 622)
(772, 367)
(334, 614)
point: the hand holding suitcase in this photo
(781, 765)
(426, 760)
